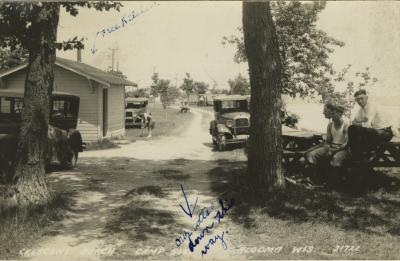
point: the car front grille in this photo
(241, 130)
(241, 126)
(242, 123)
(128, 114)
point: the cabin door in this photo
(105, 111)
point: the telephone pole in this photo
(113, 57)
(176, 80)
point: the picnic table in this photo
(387, 154)
(296, 143)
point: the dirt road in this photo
(125, 201)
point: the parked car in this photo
(134, 111)
(64, 141)
(231, 120)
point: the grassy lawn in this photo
(168, 122)
(362, 216)
(22, 228)
(206, 108)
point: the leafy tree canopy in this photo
(188, 84)
(360, 80)
(141, 92)
(200, 87)
(12, 58)
(239, 85)
(304, 49)
(162, 88)
(20, 23)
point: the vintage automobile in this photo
(231, 120)
(64, 141)
(134, 110)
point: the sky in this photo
(173, 38)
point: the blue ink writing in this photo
(182, 239)
(220, 214)
(204, 213)
(212, 241)
(197, 240)
(124, 22)
(188, 211)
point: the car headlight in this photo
(229, 123)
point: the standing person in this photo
(369, 127)
(149, 124)
(333, 152)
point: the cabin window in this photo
(5, 105)
(11, 105)
(18, 103)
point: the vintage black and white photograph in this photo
(224, 130)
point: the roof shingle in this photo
(83, 69)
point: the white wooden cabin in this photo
(102, 95)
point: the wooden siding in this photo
(116, 111)
(91, 108)
(72, 83)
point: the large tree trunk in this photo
(265, 146)
(29, 176)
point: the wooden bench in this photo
(387, 154)
(297, 144)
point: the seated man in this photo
(333, 151)
(368, 129)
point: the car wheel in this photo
(221, 144)
(71, 162)
(74, 159)
(214, 140)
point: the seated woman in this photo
(333, 152)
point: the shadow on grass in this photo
(139, 222)
(23, 227)
(150, 190)
(369, 203)
(173, 174)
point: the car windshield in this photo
(234, 106)
(135, 105)
(64, 108)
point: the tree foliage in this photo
(221, 91)
(12, 58)
(162, 88)
(19, 23)
(200, 87)
(141, 92)
(304, 50)
(239, 85)
(352, 83)
(188, 85)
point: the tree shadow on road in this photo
(139, 222)
(369, 204)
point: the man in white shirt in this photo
(369, 127)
